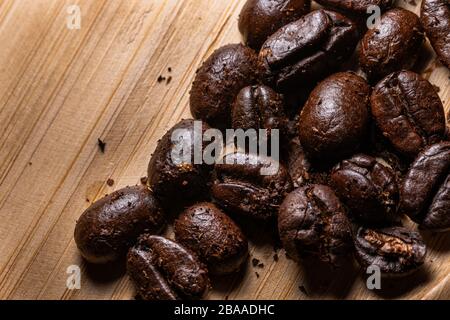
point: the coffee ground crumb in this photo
(110, 182)
(255, 262)
(275, 257)
(303, 290)
(261, 265)
(30, 163)
(436, 88)
(101, 145)
(144, 180)
(87, 200)
(169, 69)
(169, 79)
(257, 274)
(226, 297)
(161, 79)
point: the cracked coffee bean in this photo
(392, 45)
(261, 18)
(425, 192)
(312, 223)
(219, 80)
(435, 18)
(178, 180)
(355, 6)
(408, 111)
(395, 250)
(164, 270)
(335, 120)
(111, 225)
(210, 233)
(368, 188)
(307, 50)
(259, 107)
(241, 186)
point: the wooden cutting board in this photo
(61, 89)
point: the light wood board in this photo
(61, 89)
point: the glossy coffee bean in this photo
(312, 223)
(261, 18)
(395, 250)
(392, 45)
(335, 120)
(408, 111)
(307, 50)
(259, 107)
(219, 80)
(210, 233)
(355, 6)
(106, 229)
(178, 180)
(368, 188)
(425, 193)
(435, 18)
(164, 270)
(240, 185)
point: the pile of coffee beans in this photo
(360, 152)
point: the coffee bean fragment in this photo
(395, 250)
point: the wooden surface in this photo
(61, 89)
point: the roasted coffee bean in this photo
(335, 120)
(425, 193)
(219, 80)
(307, 50)
(435, 18)
(395, 250)
(392, 45)
(173, 174)
(250, 185)
(261, 18)
(164, 270)
(355, 6)
(111, 225)
(259, 107)
(312, 223)
(368, 188)
(408, 111)
(210, 233)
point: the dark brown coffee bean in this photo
(355, 6)
(307, 50)
(425, 193)
(368, 188)
(261, 18)
(312, 223)
(335, 120)
(392, 45)
(408, 111)
(395, 250)
(219, 80)
(435, 17)
(210, 233)
(259, 107)
(177, 181)
(111, 225)
(164, 270)
(241, 186)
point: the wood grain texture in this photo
(62, 89)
